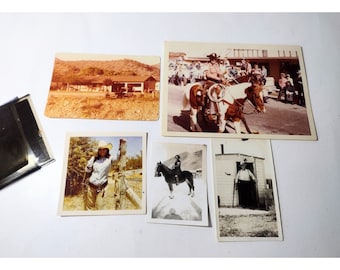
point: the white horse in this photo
(229, 101)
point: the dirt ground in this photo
(247, 223)
(98, 106)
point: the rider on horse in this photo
(214, 72)
(177, 168)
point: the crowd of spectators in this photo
(220, 69)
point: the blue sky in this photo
(134, 144)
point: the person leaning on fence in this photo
(99, 166)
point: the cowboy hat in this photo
(103, 144)
(243, 162)
(213, 56)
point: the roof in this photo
(101, 79)
(238, 154)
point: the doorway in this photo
(247, 190)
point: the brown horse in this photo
(226, 102)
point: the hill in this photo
(80, 70)
(190, 161)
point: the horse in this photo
(170, 179)
(226, 102)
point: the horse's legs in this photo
(190, 183)
(222, 110)
(237, 125)
(194, 126)
(246, 125)
(192, 186)
(222, 125)
(171, 196)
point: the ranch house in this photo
(227, 166)
(141, 84)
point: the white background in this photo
(307, 172)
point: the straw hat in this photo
(103, 144)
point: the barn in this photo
(226, 168)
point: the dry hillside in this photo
(82, 69)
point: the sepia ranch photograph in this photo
(177, 188)
(242, 91)
(104, 174)
(247, 205)
(96, 86)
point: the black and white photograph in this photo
(177, 190)
(104, 174)
(236, 91)
(246, 199)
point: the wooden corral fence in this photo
(122, 189)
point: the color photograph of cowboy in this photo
(235, 91)
(104, 174)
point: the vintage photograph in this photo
(246, 199)
(177, 188)
(104, 174)
(99, 86)
(235, 91)
(23, 145)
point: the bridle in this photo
(220, 98)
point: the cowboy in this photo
(177, 168)
(99, 167)
(214, 72)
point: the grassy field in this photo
(98, 106)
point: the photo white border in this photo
(206, 48)
(176, 148)
(252, 146)
(141, 211)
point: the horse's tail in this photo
(185, 100)
(190, 94)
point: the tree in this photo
(81, 149)
(135, 162)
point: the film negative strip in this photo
(23, 146)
